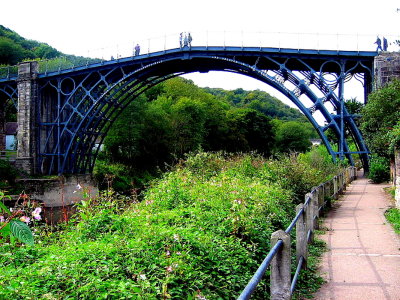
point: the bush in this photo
(200, 231)
(7, 172)
(379, 169)
(393, 216)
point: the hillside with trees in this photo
(14, 48)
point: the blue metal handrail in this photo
(252, 284)
(255, 280)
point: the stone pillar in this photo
(310, 216)
(26, 115)
(280, 277)
(387, 68)
(301, 236)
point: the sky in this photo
(103, 28)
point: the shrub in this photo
(192, 236)
(379, 169)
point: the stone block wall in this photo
(27, 98)
(387, 68)
(59, 194)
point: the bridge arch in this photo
(77, 107)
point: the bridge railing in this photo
(315, 41)
(282, 285)
(278, 40)
(8, 71)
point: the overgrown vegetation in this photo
(200, 232)
(393, 216)
(176, 117)
(379, 124)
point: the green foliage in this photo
(393, 216)
(259, 101)
(8, 173)
(21, 231)
(299, 173)
(200, 231)
(380, 115)
(379, 169)
(10, 227)
(393, 137)
(177, 117)
(14, 48)
(292, 137)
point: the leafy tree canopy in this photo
(379, 116)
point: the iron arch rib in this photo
(87, 103)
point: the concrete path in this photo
(363, 257)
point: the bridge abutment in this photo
(27, 99)
(387, 68)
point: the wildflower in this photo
(36, 213)
(142, 276)
(78, 186)
(168, 253)
(23, 196)
(169, 269)
(2, 220)
(178, 253)
(148, 202)
(25, 219)
(176, 237)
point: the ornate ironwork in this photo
(77, 106)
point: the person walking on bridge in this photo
(137, 49)
(378, 42)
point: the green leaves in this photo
(21, 231)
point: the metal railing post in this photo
(280, 267)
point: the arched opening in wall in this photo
(8, 127)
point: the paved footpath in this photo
(363, 257)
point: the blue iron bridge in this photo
(64, 114)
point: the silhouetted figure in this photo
(185, 39)
(181, 40)
(190, 40)
(385, 44)
(378, 43)
(137, 50)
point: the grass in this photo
(393, 214)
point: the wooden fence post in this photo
(280, 278)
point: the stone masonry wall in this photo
(27, 97)
(387, 68)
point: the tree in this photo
(292, 136)
(10, 53)
(249, 130)
(379, 116)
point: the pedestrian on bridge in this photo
(181, 40)
(137, 49)
(378, 42)
(385, 44)
(189, 38)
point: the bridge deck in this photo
(7, 75)
(363, 259)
